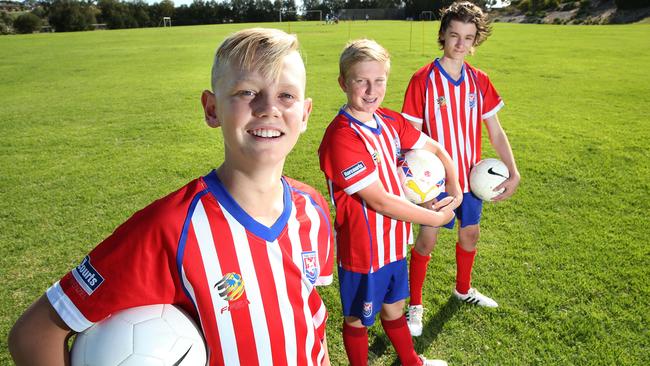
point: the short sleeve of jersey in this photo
(492, 101)
(134, 266)
(409, 136)
(326, 248)
(344, 158)
(414, 97)
(325, 243)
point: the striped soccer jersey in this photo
(251, 287)
(354, 155)
(451, 111)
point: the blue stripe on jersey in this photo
(180, 253)
(320, 209)
(228, 202)
(444, 73)
(376, 131)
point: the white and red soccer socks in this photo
(464, 264)
(398, 332)
(417, 274)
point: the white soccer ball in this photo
(422, 175)
(161, 335)
(485, 176)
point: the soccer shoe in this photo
(414, 319)
(476, 298)
(426, 362)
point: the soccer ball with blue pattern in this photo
(422, 175)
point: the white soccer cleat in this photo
(427, 362)
(414, 319)
(476, 298)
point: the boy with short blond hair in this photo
(358, 155)
(448, 100)
(244, 219)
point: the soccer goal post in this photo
(426, 15)
(286, 12)
(320, 14)
(167, 21)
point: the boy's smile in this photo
(365, 87)
(261, 119)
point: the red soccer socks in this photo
(399, 335)
(417, 274)
(464, 264)
(356, 344)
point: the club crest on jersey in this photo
(230, 286)
(87, 276)
(353, 170)
(442, 102)
(310, 266)
(367, 309)
(471, 99)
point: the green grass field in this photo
(95, 125)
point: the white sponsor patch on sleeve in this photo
(353, 170)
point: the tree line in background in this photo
(79, 15)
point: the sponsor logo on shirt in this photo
(230, 286)
(376, 158)
(367, 309)
(87, 276)
(310, 266)
(231, 289)
(471, 99)
(442, 102)
(353, 170)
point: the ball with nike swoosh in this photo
(486, 175)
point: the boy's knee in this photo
(468, 236)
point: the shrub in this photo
(631, 4)
(27, 23)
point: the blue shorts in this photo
(469, 212)
(362, 294)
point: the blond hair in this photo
(361, 50)
(259, 49)
(465, 12)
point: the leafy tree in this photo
(631, 4)
(27, 23)
(6, 21)
(71, 15)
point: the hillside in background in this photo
(571, 12)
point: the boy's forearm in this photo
(400, 209)
(39, 337)
(501, 144)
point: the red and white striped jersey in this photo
(353, 155)
(451, 111)
(251, 287)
